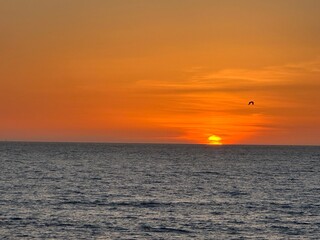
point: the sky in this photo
(160, 71)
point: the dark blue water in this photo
(119, 191)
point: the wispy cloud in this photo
(217, 101)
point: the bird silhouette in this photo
(251, 103)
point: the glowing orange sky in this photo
(165, 71)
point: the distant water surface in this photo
(145, 191)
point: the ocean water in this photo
(138, 191)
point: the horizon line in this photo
(155, 143)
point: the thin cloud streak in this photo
(217, 101)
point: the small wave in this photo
(216, 213)
(16, 219)
(207, 173)
(235, 193)
(288, 230)
(142, 204)
(282, 205)
(164, 229)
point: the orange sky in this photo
(166, 71)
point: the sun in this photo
(215, 140)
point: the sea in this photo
(157, 191)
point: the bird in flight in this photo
(251, 103)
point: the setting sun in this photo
(215, 140)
